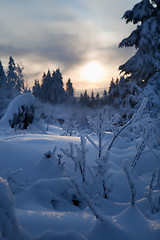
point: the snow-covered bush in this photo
(78, 155)
(20, 112)
(23, 118)
(70, 127)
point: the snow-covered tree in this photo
(59, 92)
(15, 77)
(84, 98)
(3, 78)
(144, 67)
(46, 88)
(36, 89)
(98, 99)
(69, 89)
(105, 97)
(3, 88)
(52, 87)
(20, 80)
(113, 91)
(12, 73)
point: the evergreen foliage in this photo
(36, 89)
(23, 118)
(69, 89)
(12, 74)
(51, 89)
(15, 77)
(3, 78)
(144, 67)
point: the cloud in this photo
(66, 33)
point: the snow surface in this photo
(42, 205)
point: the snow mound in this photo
(50, 194)
(16, 107)
(8, 222)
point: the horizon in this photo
(80, 38)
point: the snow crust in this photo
(46, 203)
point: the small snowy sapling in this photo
(153, 192)
(129, 175)
(88, 201)
(70, 128)
(79, 158)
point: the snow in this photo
(51, 201)
(23, 99)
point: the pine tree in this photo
(20, 80)
(52, 90)
(3, 78)
(92, 100)
(12, 76)
(59, 92)
(69, 89)
(46, 90)
(3, 89)
(84, 99)
(105, 97)
(113, 91)
(15, 77)
(97, 99)
(144, 67)
(36, 89)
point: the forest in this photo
(84, 167)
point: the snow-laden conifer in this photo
(144, 67)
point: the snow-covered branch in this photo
(86, 198)
(128, 173)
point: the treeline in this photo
(11, 81)
(122, 92)
(51, 89)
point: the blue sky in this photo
(65, 34)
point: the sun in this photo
(92, 72)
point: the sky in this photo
(80, 37)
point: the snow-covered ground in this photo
(46, 204)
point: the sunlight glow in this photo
(93, 72)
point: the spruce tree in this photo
(69, 89)
(59, 92)
(84, 98)
(113, 91)
(20, 79)
(144, 67)
(36, 89)
(3, 78)
(15, 77)
(105, 97)
(46, 88)
(92, 100)
(12, 76)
